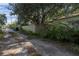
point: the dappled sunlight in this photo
(48, 29)
(16, 46)
(12, 51)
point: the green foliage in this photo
(29, 32)
(1, 35)
(12, 26)
(38, 13)
(3, 19)
(63, 32)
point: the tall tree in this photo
(38, 13)
(34, 12)
(3, 19)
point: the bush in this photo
(29, 33)
(62, 32)
(1, 35)
(13, 26)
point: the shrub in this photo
(1, 35)
(29, 33)
(13, 26)
(61, 32)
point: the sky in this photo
(5, 10)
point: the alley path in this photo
(50, 48)
(16, 44)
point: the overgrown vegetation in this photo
(61, 31)
(3, 20)
(1, 35)
(12, 26)
(42, 14)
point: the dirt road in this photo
(50, 48)
(13, 44)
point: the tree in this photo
(39, 13)
(35, 12)
(3, 19)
